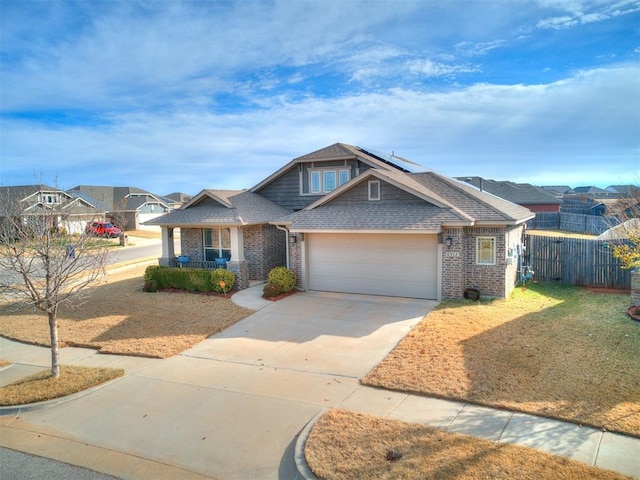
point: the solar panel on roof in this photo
(395, 160)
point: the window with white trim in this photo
(374, 189)
(50, 198)
(217, 243)
(485, 250)
(329, 177)
(344, 176)
(325, 180)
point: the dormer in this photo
(307, 178)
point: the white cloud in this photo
(582, 12)
(504, 132)
(430, 68)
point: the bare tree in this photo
(42, 266)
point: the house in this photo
(557, 190)
(590, 191)
(126, 207)
(73, 214)
(534, 198)
(176, 199)
(345, 219)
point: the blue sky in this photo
(184, 95)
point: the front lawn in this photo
(549, 350)
(353, 446)
(120, 318)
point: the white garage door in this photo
(380, 264)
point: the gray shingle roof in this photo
(118, 198)
(446, 202)
(520, 193)
(482, 206)
(223, 207)
(373, 216)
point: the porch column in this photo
(237, 244)
(168, 251)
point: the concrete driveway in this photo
(232, 406)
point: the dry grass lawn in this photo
(120, 318)
(554, 351)
(40, 387)
(559, 233)
(352, 446)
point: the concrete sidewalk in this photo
(233, 406)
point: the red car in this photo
(103, 229)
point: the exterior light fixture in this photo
(449, 241)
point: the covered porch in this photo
(206, 248)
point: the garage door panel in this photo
(395, 265)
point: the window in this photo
(374, 189)
(50, 198)
(486, 250)
(327, 180)
(315, 182)
(217, 243)
(344, 176)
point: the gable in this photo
(294, 189)
(389, 194)
(293, 181)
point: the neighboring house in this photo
(625, 190)
(74, 213)
(127, 207)
(176, 199)
(347, 220)
(557, 190)
(590, 191)
(534, 198)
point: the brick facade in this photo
(453, 263)
(295, 257)
(460, 270)
(191, 243)
(264, 249)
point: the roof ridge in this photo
(471, 191)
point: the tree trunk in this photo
(53, 333)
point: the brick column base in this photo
(241, 271)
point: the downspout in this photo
(286, 243)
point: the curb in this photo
(304, 472)
(28, 407)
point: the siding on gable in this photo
(388, 194)
(286, 191)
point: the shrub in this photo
(150, 286)
(271, 290)
(283, 277)
(226, 276)
(191, 279)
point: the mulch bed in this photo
(634, 313)
(614, 291)
(281, 296)
(209, 294)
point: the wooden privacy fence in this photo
(575, 261)
(572, 222)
